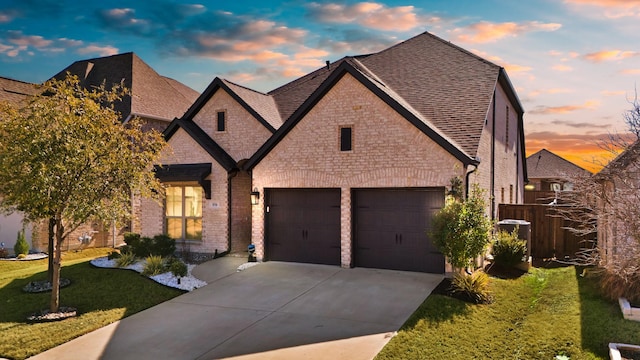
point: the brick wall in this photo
(243, 134)
(388, 151)
(240, 212)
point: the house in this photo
(550, 172)
(208, 192)
(153, 98)
(361, 154)
(14, 92)
(617, 224)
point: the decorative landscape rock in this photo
(42, 286)
(64, 312)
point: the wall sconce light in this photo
(255, 197)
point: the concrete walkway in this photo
(273, 310)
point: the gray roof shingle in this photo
(152, 95)
(14, 91)
(546, 165)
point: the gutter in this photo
(466, 178)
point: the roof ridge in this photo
(308, 77)
(16, 80)
(245, 87)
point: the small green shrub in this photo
(154, 265)
(21, 246)
(126, 258)
(507, 249)
(163, 245)
(178, 268)
(474, 287)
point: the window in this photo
(511, 194)
(221, 120)
(183, 212)
(346, 139)
(502, 195)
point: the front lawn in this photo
(101, 296)
(544, 314)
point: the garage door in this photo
(391, 229)
(303, 225)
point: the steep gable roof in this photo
(152, 95)
(14, 91)
(546, 165)
(204, 140)
(622, 161)
(447, 86)
(259, 105)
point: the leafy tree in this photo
(461, 229)
(65, 158)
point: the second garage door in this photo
(303, 225)
(391, 229)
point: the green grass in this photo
(101, 296)
(543, 314)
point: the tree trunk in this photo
(55, 284)
(52, 223)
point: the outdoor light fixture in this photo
(255, 197)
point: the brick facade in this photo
(388, 151)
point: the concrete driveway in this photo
(273, 310)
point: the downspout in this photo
(466, 179)
(492, 192)
(518, 160)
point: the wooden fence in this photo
(549, 234)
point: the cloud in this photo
(100, 50)
(564, 109)
(579, 125)
(356, 41)
(511, 68)
(6, 16)
(561, 67)
(614, 92)
(609, 55)
(613, 9)
(484, 31)
(371, 15)
(630, 71)
(21, 40)
(124, 20)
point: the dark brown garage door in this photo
(391, 229)
(303, 225)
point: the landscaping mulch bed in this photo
(44, 285)
(64, 312)
(445, 288)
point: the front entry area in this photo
(303, 225)
(391, 229)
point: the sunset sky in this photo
(574, 63)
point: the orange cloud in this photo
(485, 31)
(607, 55)
(613, 8)
(371, 15)
(543, 110)
(100, 50)
(511, 68)
(630, 71)
(561, 67)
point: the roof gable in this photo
(261, 106)
(385, 94)
(206, 142)
(14, 91)
(546, 165)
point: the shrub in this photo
(154, 265)
(142, 247)
(113, 255)
(163, 245)
(21, 246)
(475, 287)
(21, 256)
(507, 249)
(126, 258)
(461, 229)
(615, 285)
(178, 268)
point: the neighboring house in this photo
(13, 91)
(617, 222)
(208, 192)
(352, 177)
(153, 98)
(550, 172)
